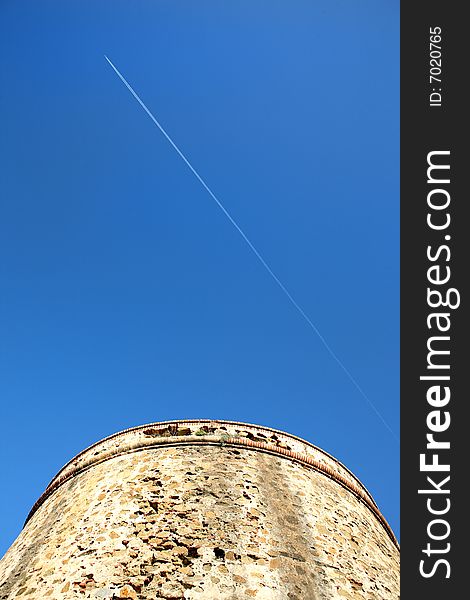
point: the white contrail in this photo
(255, 251)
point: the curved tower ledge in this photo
(215, 433)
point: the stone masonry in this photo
(203, 510)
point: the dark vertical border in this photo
(424, 129)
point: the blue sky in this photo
(127, 297)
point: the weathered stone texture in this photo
(201, 522)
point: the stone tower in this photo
(203, 510)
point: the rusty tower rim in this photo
(78, 463)
(220, 422)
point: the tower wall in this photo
(203, 510)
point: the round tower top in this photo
(214, 432)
